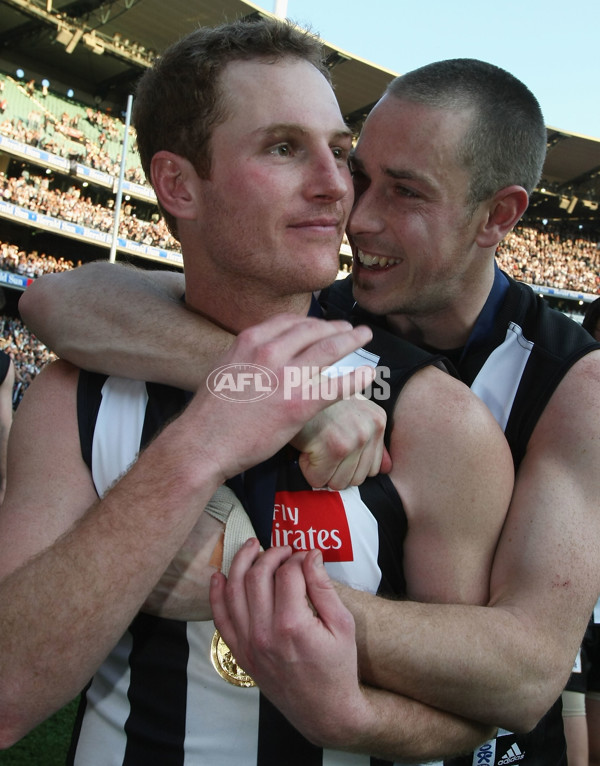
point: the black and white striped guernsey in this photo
(157, 700)
(518, 353)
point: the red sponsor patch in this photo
(308, 519)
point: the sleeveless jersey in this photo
(157, 700)
(514, 364)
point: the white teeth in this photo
(367, 260)
(375, 260)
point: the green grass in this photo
(47, 745)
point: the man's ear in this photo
(503, 211)
(173, 179)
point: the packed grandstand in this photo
(61, 159)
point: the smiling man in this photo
(443, 170)
(241, 135)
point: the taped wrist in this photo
(225, 506)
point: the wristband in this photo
(226, 507)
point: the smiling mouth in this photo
(376, 261)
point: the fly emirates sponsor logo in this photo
(312, 519)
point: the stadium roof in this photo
(99, 48)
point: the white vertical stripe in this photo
(499, 378)
(101, 739)
(363, 573)
(222, 719)
(118, 430)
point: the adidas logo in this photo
(513, 755)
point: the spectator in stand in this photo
(32, 264)
(593, 690)
(552, 257)
(29, 354)
(37, 193)
(574, 708)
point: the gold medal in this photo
(224, 663)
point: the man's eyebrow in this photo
(281, 128)
(406, 175)
(399, 175)
(343, 133)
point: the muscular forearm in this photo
(71, 579)
(479, 662)
(122, 313)
(60, 617)
(506, 663)
(281, 617)
(401, 729)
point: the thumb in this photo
(321, 591)
(386, 462)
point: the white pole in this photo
(113, 247)
(281, 8)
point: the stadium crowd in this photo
(31, 264)
(37, 193)
(27, 352)
(49, 140)
(550, 256)
(60, 134)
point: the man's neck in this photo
(445, 332)
(236, 312)
(450, 326)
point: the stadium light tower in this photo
(280, 8)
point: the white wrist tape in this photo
(225, 506)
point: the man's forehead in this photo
(416, 117)
(405, 123)
(267, 95)
(240, 75)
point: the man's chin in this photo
(367, 299)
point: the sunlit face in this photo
(413, 236)
(273, 212)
